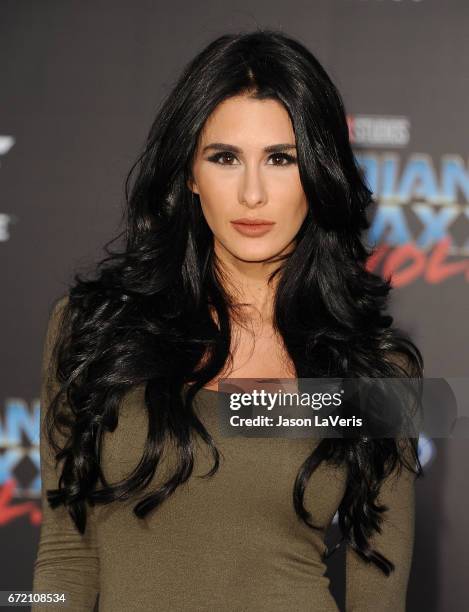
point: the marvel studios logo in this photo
(378, 130)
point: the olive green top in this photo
(231, 542)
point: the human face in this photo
(237, 176)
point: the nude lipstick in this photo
(252, 227)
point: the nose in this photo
(252, 191)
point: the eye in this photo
(288, 159)
(223, 155)
(284, 158)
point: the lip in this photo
(253, 227)
(247, 221)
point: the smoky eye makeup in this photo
(286, 158)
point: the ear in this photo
(191, 184)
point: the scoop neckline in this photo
(204, 389)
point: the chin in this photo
(255, 255)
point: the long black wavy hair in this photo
(145, 315)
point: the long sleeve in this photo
(367, 587)
(66, 561)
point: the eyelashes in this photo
(288, 159)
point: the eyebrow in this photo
(220, 146)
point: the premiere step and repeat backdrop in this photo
(80, 84)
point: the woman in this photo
(254, 129)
